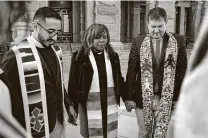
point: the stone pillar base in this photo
(169, 6)
(117, 46)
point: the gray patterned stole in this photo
(160, 118)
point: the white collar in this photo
(1, 71)
(99, 53)
(36, 43)
(154, 40)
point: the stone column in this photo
(150, 5)
(136, 20)
(198, 19)
(206, 7)
(43, 3)
(22, 28)
(109, 13)
(129, 25)
(123, 22)
(33, 6)
(169, 6)
(89, 13)
(82, 20)
(75, 16)
(182, 21)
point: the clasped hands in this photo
(72, 116)
(130, 105)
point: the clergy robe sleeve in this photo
(132, 71)
(180, 68)
(122, 88)
(73, 83)
(9, 66)
(67, 99)
(5, 99)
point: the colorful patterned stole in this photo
(94, 113)
(159, 119)
(33, 86)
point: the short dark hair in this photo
(46, 12)
(156, 14)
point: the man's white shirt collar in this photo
(1, 71)
(37, 44)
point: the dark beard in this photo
(43, 42)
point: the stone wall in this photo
(22, 28)
(108, 13)
(169, 6)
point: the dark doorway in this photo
(64, 8)
(178, 13)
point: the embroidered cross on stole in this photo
(33, 87)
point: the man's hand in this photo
(130, 105)
(174, 105)
(72, 116)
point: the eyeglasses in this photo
(51, 32)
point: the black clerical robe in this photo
(53, 86)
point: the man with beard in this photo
(34, 72)
(156, 67)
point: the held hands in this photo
(72, 116)
(174, 105)
(130, 105)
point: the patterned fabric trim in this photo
(162, 114)
(58, 52)
(94, 111)
(35, 115)
(33, 87)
